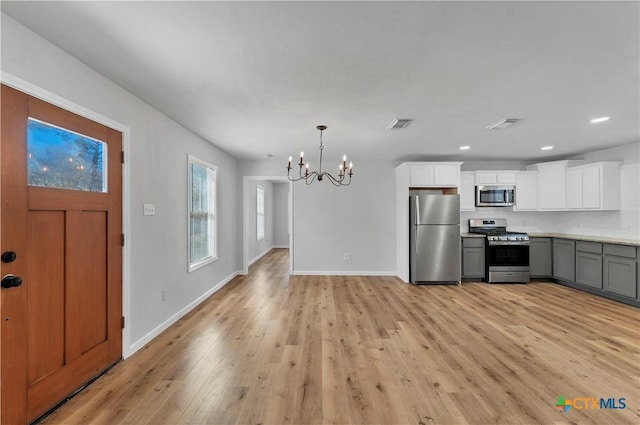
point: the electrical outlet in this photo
(347, 256)
(149, 209)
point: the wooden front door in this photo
(61, 218)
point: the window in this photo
(202, 213)
(64, 159)
(259, 212)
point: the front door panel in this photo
(61, 214)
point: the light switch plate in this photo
(149, 209)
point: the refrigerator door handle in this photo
(416, 239)
(417, 220)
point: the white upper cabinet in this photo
(574, 188)
(552, 176)
(551, 186)
(594, 186)
(434, 174)
(496, 177)
(526, 191)
(467, 191)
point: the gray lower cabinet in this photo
(589, 264)
(540, 257)
(620, 270)
(473, 258)
(564, 259)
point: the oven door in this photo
(508, 262)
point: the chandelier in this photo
(310, 176)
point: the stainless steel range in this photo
(506, 253)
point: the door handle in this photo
(11, 281)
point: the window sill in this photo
(199, 264)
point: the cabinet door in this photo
(551, 187)
(574, 188)
(486, 177)
(446, 175)
(589, 269)
(467, 192)
(591, 188)
(564, 260)
(526, 191)
(619, 275)
(506, 178)
(473, 263)
(540, 257)
(422, 175)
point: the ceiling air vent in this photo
(502, 124)
(399, 123)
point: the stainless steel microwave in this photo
(495, 196)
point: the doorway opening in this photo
(277, 218)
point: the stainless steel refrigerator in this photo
(434, 238)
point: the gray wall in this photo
(329, 222)
(281, 215)
(157, 160)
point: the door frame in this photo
(47, 96)
(246, 212)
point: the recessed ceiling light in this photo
(546, 148)
(600, 119)
(503, 123)
(464, 148)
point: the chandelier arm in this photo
(338, 182)
(302, 177)
(311, 177)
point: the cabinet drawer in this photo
(593, 247)
(620, 250)
(472, 242)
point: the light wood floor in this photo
(270, 349)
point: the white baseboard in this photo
(170, 321)
(259, 256)
(342, 273)
(280, 246)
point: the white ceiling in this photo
(255, 78)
